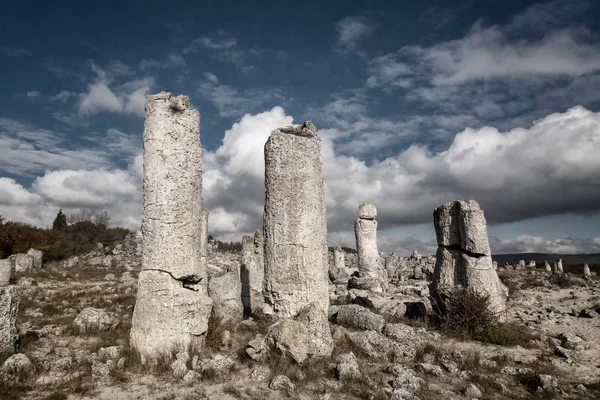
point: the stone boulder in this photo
(359, 317)
(22, 262)
(92, 320)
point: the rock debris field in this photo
(170, 314)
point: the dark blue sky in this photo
(376, 78)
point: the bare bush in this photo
(98, 217)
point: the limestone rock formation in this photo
(337, 270)
(226, 294)
(586, 270)
(37, 257)
(22, 262)
(306, 336)
(295, 224)
(547, 267)
(463, 256)
(172, 308)
(252, 273)
(359, 317)
(204, 246)
(91, 320)
(168, 316)
(558, 267)
(6, 271)
(9, 307)
(371, 272)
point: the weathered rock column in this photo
(172, 308)
(6, 271)
(337, 270)
(204, 248)
(463, 256)
(252, 273)
(547, 267)
(586, 270)
(295, 224)
(371, 272)
(9, 307)
(37, 256)
(226, 293)
(558, 269)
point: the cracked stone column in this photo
(370, 268)
(337, 270)
(295, 224)
(463, 256)
(252, 273)
(172, 308)
(204, 247)
(9, 307)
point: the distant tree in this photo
(97, 217)
(60, 222)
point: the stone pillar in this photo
(295, 224)
(226, 293)
(338, 273)
(370, 268)
(547, 266)
(252, 274)
(463, 256)
(22, 262)
(6, 271)
(558, 267)
(172, 308)
(204, 247)
(9, 307)
(339, 261)
(37, 256)
(586, 270)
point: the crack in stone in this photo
(457, 247)
(188, 282)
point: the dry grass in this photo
(467, 315)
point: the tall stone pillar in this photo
(371, 272)
(463, 256)
(204, 248)
(9, 308)
(252, 273)
(172, 308)
(295, 224)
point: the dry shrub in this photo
(467, 315)
(428, 348)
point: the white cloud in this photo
(537, 244)
(352, 30)
(219, 40)
(99, 98)
(231, 102)
(126, 98)
(515, 175)
(33, 94)
(546, 169)
(63, 96)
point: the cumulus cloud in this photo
(542, 170)
(536, 244)
(351, 31)
(33, 94)
(29, 150)
(231, 102)
(515, 175)
(105, 96)
(541, 61)
(118, 191)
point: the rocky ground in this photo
(75, 317)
